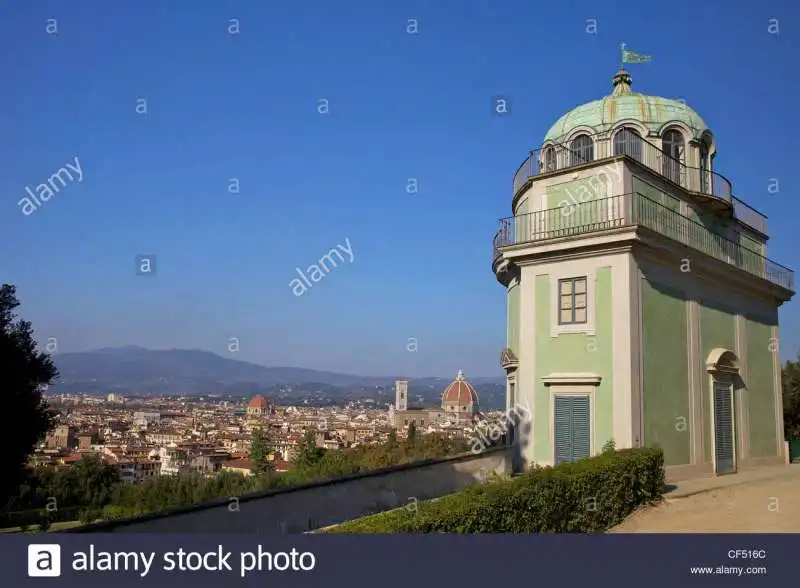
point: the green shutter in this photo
(562, 428)
(723, 427)
(581, 434)
(572, 428)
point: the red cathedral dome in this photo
(257, 402)
(460, 392)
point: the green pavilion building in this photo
(642, 308)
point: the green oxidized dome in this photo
(623, 104)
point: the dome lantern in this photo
(622, 83)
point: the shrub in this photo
(44, 522)
(586, 496)
(89, 516)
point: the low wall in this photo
(310, 506)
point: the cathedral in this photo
(459, 406)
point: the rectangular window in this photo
(572, 305)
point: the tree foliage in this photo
(25, 417)
(90, 489)
(258, 453)
(790, 381)
(411, 434)
(308, 454)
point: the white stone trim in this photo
(575, 132)
(621, 237)
(637, 351)
(584, 390)
(588, 272)
(565, 379)
(632, 123)
(511, 399)
(621, 332)
(526, 372)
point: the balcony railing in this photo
(630, 210)
(699, 180)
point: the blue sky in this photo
(402, 106)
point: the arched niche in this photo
(722, 361)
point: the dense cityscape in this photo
(144, 437)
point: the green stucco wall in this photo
(578, 202)
(523, 221)
(574, 353)
(760, 387)
(666, 393)
(717, 329)
(752, 254)
(653, 193)
(512, 340)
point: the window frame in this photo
(573, 307)
(703, 155)
(550, 159)
(556, 326)
(578, 153)
(631, 146)
(670, 162)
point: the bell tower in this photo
(401, 395)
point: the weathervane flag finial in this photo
(632, 56)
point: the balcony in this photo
(709, 188)
(635, 210)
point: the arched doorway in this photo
(723, 370)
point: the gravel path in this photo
(758, 506)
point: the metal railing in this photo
(625, 142)
(629, 210)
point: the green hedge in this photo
(34, 516)
(587, 496)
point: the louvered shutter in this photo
(563, 428)
(723, 427)
(581, 433)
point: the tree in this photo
(25, 417)
(258, 453)
(391, 442)
(790, 381)
(92, 482)
(411, 436)
(308, 454)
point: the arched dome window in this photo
(628, 141)
(549, 159)
(582, 149)
(673, 147)
(704, 167)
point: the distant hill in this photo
(140, 371)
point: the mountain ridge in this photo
(189, 371)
